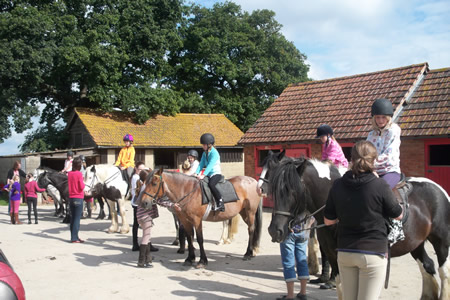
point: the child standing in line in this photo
(14, 189)
(76, 197)
(31, 188)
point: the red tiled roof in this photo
(343, 103)
(182, 130)
(428, 111)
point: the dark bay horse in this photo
(59, 181)
(185, 190)
(300, 184)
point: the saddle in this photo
(225, 188)
(401, 192)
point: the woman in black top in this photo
(360, 202)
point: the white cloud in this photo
(348, 37)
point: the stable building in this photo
(421, 99)
(162, 141)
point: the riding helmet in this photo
(382, 107)
(128, 138)
(324, 129)
(193, 153)
(207, 139)
(70, 153)
(82, 157)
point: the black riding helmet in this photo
(324, 130)
(382, 107)
(70, 153)
(207, 139)
(193, 153)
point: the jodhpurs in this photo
(362, 275)
(213, 180)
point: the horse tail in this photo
(233, 225)
(258, 226)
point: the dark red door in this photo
(437, 162)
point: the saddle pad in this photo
(225, 188)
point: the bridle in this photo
(155, 198)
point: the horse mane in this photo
(174, 173)
(286, 186)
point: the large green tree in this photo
(143, 56)
(57, 55)
(233, 62)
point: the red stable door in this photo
(437, 162)
(263, 151)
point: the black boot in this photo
(220, 206)
(142, 252)
(89, 210)
(148, 257)
(152, 248)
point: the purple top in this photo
(15, 191)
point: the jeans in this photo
(293, 254)
(76, 209)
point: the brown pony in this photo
(186, 191)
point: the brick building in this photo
(421, 99)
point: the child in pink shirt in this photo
(31, 188)
(331, 150)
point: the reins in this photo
(164, 196)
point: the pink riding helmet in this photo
(128, 137)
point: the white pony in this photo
(107, 180)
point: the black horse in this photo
(60, 182)
(297, 185)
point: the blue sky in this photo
(347, 37)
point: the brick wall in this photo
(316, 151)
(249, 161)
(412, 157)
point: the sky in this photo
(348, 37)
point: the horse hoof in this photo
(180, 251)
(176, 243)
(187, 263)
(124, 231)
(112, 230)
(247, 257)
(200, 266)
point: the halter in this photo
(155, 197)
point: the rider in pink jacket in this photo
(331, 150)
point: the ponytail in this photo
(364, 154)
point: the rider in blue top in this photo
(211, 161)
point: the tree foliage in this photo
(145, 56)
(233, 62)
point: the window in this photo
(439, 155)
(230, 155)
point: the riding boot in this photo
(148, 257)
(153, 248)
(13, 220)
(142, 254)
(16, 215)
(220, 206)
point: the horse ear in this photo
(301, 166)
(282, 154)
(93, 169)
